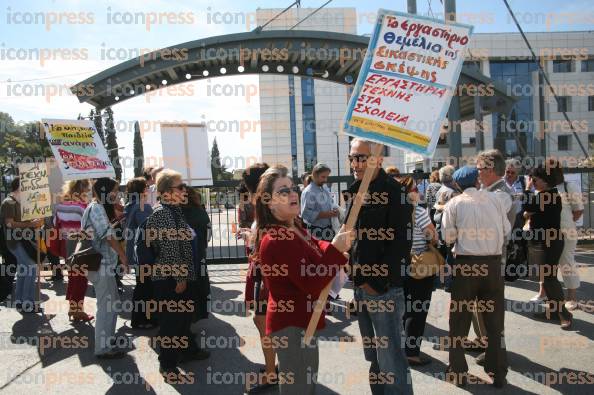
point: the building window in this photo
(590, 103)
(591, 142)
(563, 143)
(588, 65)
(562, 66)
(564, 104)
(309, 123)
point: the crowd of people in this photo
(456, 230)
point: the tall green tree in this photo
(111, 143)
(98, 121)
(138, 151)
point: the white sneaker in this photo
(538, 298)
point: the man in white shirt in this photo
(475, 222)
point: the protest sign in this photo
(34, 191)
(78, 149)
(406, 82)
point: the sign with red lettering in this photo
(406, 81)
(78, 149)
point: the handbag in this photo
(426, 264)
(85, 256)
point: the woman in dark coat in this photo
(196, 216)
(543, 208)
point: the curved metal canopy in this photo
(335, 57)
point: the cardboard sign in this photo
(78, 149)
(406, 82)
(34, 191)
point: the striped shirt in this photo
(422, 220)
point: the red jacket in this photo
(295, 271)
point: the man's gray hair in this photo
(446, 173)
(493, 159)
(370, 144)
(513, 163)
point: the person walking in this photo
(543, 209)
(475, 223)
(379, 256)
(572, 210)
(417, 291)
(76, 195)
(16, 235)
(317, 206)
(171, 239)
(136, 211)
(96, 222)
(304, 266)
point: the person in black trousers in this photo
(136, 212)
(417, 291)
(543, 209)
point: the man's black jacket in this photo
(381, 249)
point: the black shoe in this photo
(197, 355)
(18, 307)
(480, 359)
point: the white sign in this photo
(36, 200)
(406, 82)
(78, 149)
(185, 149)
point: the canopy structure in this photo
(335, 57)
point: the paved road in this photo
(48, 355)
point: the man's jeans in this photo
(382, 319)
(25, 277)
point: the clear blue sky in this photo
(486, 15)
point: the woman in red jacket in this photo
(295, 268)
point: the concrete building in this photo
(536, 126)
(300, 117)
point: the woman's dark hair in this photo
(134, 188)
(192, 196)
(554, 168)
(101, 190)
(545, 175)
(251, 176)
(15, 184)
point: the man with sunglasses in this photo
(379, 255)
(317, 206)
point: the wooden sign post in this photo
(372, 164)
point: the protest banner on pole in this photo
(35, 199)
(78, 149)
(406, 82)
(402, 95)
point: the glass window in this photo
(562, 66)
(590, 103)
(590, 142)
(564, 104)
(563, 143)
(588, 65)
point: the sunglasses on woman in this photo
(286, 190)
(180, 187)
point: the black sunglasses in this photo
(180, 187)
(360, 158)
(287, 190)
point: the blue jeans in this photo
(25, 277)
(382, 319)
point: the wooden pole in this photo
(349, 225)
